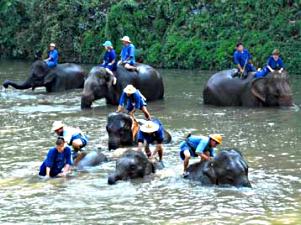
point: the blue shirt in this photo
(109, 56)
(128, 53)
(135, 100)
(275, 64)
(200, 144)
(242, 58)
(54, 56)
(56, 160)
(157, 136)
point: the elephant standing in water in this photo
(227, 168)
(99, 84)
(132, 164)
(119, 128)
(222, 89)
(61, 78)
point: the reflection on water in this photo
(268, 139)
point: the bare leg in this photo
(79, 157)
(130, 67)
(147, 151)
(186, 160)
(135, 128)
(159, 149)
(77, 144)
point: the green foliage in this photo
(167, 33)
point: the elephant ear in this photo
(258, 88)
(49, 78)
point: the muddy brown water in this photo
(268, 137)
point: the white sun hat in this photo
(57, 125)
(149, 127)
(130, 89)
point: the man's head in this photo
(60, 144)
(149, 127)
(275, 54)
(51, 46)
(129, 89)
(108, 45)
(215, 139)
(239, 47)
(125, 40)
(58, 127)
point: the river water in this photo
(269, 139)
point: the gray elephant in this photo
(119, 128)
(132, 165)
(61, 78)
(227, 168)
(92, 158)
(223, 89)
(99, 84)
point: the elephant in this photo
(92, 158)
(228, 167)
(223, 89)
(132, 165)
(99, 84)
(61, 78)
(119, 128)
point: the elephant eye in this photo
(132, 167)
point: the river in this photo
(267, 137)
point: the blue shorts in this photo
(184, 147)
(51, 64)
(83, 138)
(262, 73)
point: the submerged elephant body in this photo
(222, 89)
(132, 165)
(99, 84)
(92, 158)
(119, 128)
(61, 78)
(227, 168)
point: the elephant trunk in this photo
(286, 100)
(113, 178)
(86, 101)
(25, 85)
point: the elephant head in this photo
(227, 168)
(38, 75)
(119, 128)
(98, 85)
(273, 90)
(132, 164)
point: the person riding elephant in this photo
(120, 128)
(134, 100)
(224, 90)
(151, 132)
(274, 63)
(131, 165)
(99, 84)
(242, 59)
(53, 56)
(195, 146)
(228, 167)
(61, 78)
(128, 54)
(58, 161)
(109, 59)
(73, 137)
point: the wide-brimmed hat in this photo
(216, 137)
(149, 127)
(130, 89)
(107, 44)
(57, 125)
(276, 52)
(52, 45)
(126, 38)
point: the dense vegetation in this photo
(168, 33)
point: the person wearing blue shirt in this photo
(242, 59)
(53, 56)
(109, 60)
(195, 146)
(73, 137)
(151, 132)
(58, 160)
(133, 100)
(128, 54)
(274, 63)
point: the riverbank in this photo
(167, 34)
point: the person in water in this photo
(274, 63)
(128, 54)
(109, 60)
(58, 160)
(73, 137)
(242, 59)
(53, 56)
(133, 100)
(195, 146)
(151, 132)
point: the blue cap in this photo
(107, 44)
